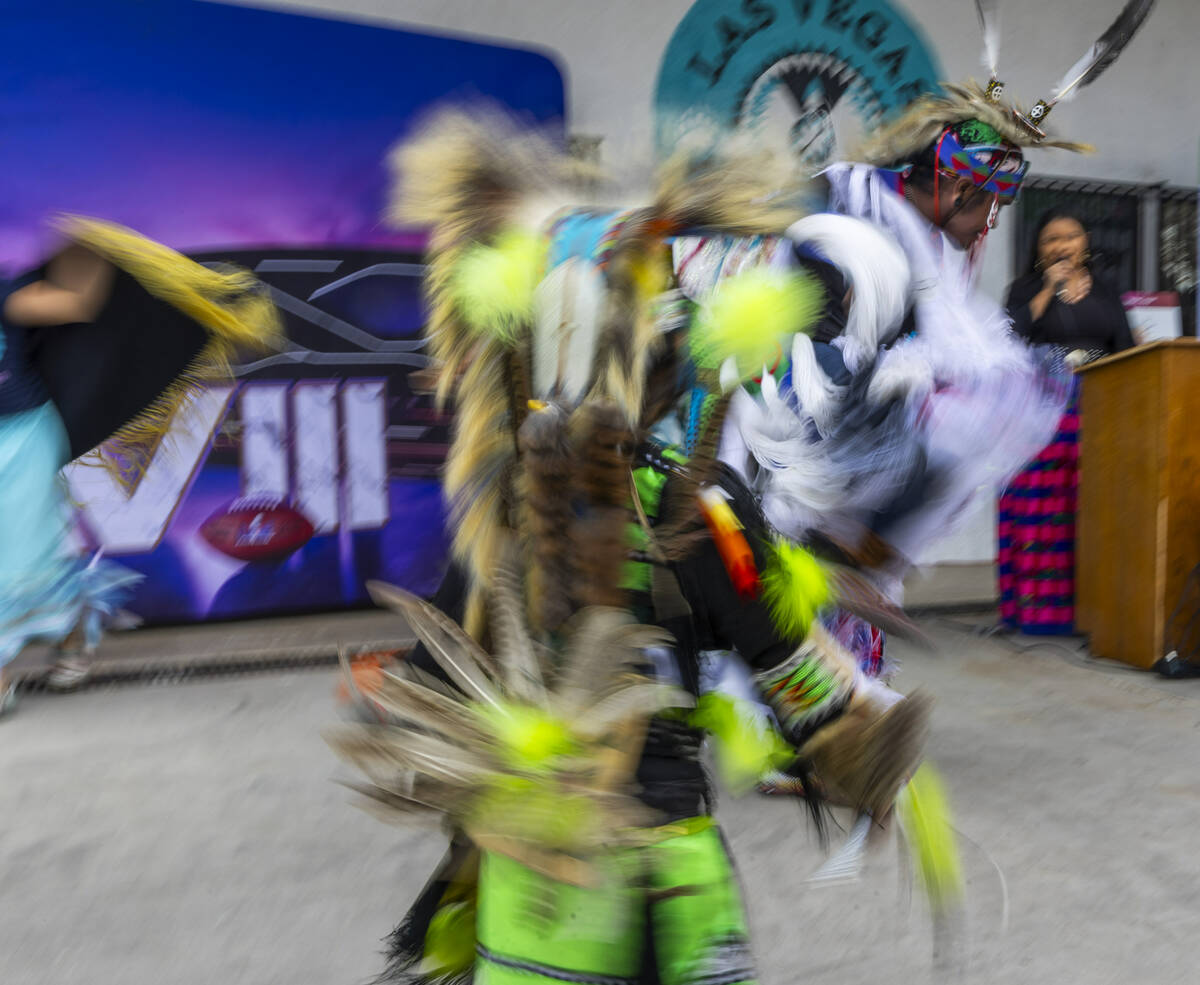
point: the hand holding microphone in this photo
(1057, 275)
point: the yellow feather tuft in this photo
(750, 317)
(493, 285)
(450, 940)
(794, 587)
(925, 812)
(530, 738)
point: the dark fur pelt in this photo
(548, 461)
(599, 534)
(681, 528)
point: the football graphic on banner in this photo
(255, 529)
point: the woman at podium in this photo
(1061, 307)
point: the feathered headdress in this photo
(920, 124)
(924, 120)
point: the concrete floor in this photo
(191, 835)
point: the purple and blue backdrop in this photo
(235, 134)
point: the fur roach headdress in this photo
(554, 330)
(922, 123)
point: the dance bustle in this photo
(530, 756)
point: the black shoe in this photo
(1176, 668)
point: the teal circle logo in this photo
(811, 77)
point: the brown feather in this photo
(519, 663)
(410, 701)
(380, 751)
(463, 660)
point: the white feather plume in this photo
(814, 390)
(989, 26)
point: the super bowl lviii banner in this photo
(257, 138)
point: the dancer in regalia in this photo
(874, 441)
(559, 727)
(100, 346)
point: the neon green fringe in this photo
(925, 812)
(794, 588)
(747, 747)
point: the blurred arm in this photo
(73, 290)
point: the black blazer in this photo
(1097, 323)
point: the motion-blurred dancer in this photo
(106, 341)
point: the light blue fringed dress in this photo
(46, 590)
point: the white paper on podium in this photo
(1153, 315)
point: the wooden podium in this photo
(1138, 527)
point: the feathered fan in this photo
(531, 754)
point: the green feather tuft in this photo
(492, 286)
(450, 940)
(529, 738)
(746, 746)
(751, 316)
(794, 587)
(925, 812)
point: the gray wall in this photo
(1141, 116)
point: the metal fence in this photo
(1177, 249)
